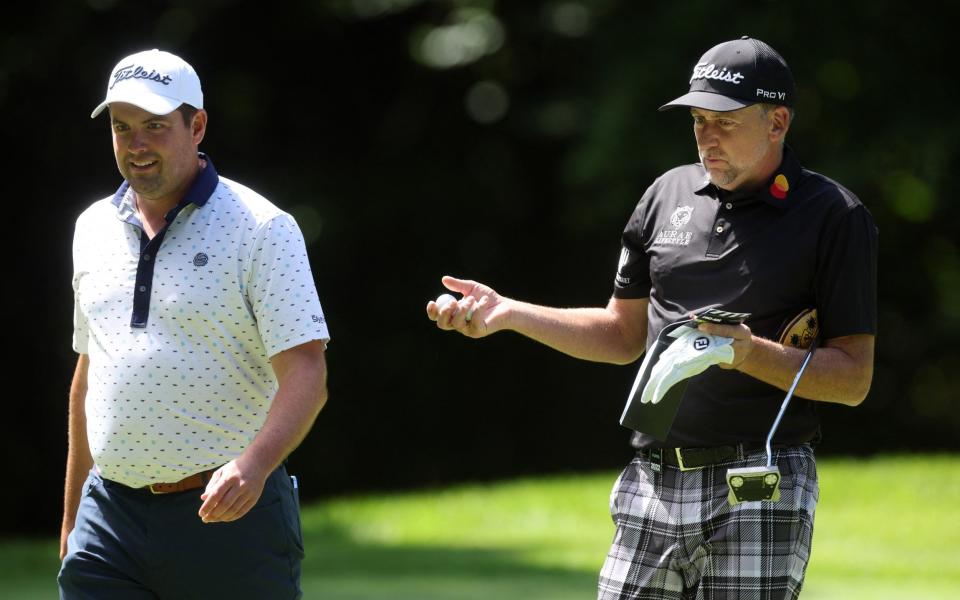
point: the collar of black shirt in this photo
(775, 192)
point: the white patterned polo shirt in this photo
(179, 329)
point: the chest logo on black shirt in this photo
(681, 216)
(676, 237)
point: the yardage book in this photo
(656, 420)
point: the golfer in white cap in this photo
(201, 365)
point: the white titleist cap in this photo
(156, 81)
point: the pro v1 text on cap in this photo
(736, 74)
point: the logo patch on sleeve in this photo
(800, 331)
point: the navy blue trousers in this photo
(132, 545)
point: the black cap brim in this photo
(708, 101)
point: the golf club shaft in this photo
(786, 401)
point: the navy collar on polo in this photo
(775, 192)
(199, 192)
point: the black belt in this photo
(686, 459)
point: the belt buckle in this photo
(680, 464)
(153, 491)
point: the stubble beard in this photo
(146, 186)
(732, 173)
(723, 177)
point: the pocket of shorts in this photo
(615, 493)
(292, 515)
(91, 483)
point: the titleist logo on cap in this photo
(710, 71)
(131, 72)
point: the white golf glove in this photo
(691, 354)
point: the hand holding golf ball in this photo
(468, 303)
(470, 308)
(444, 299)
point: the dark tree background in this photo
(503, 141)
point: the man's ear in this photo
(198, 126)
(779, 123)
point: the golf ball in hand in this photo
(444, 299)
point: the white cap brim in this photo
(152, 103)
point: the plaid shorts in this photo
(678, 538)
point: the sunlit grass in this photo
(887, 528)
(530, 539)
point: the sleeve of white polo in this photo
(80, 335)
(80, 331)
(281, 289)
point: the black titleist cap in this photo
(736, 74)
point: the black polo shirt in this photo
(801, 241)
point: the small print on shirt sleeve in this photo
(633, 269)
(281, 290)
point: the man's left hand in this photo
(742, 341)
(233, 490)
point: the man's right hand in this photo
(478, 313)
(614, 334)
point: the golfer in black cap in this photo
(748, 230)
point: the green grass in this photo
(887, 528)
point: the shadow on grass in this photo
(340, 568)
(28, 569)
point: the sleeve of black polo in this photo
(633, 271)
(846, 280)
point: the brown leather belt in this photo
(195, 481)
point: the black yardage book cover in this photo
(656, 420)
